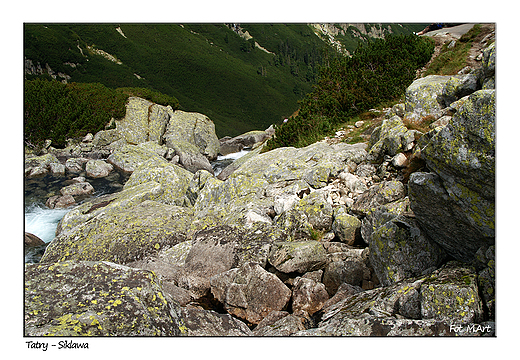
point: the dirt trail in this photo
(445, 36)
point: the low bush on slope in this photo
(377, 72)
(57, 111)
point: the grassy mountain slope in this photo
(209, 68)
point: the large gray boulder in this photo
(129, 157)
(98, 168)
(455, 204)
(247, 140)
(38, 166)
(488, 67)
(250, 292)
(399, 250)
(144, 121)
(174, 180)
(424, 97)
(390, 138)
(197, 322)
(74, 298)
(377, 195)
(120, 235)
(194, 128)
(297, 256)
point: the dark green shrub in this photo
(377, 72)
(57, 111)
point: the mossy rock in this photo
(462, 158)
(129, 157)
(452, 294)
(123, 236)
(96, 299)
(174, 180)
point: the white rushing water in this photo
(42, 221)
(233, 156)
(225, 160)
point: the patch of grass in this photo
(451, 60)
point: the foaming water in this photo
(42, 221)
(225, 160)
(233, 156)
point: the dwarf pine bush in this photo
(379, 71)
(57, 111)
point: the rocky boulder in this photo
(390, 138)
(488, 68)
(250, 139)
(120, 235)
(96, 299)
(377, 195)
(194, 128)
(346, 228)
(412, 307)
(129, 157)
(301, 256)
(399, 250)
(144, 121)
(250, 292)
(173, 179)
(424, 97)
(455, 204)
(38, 166)
(98, 168)
(198, 322)
(308, 295)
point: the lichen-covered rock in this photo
(488, 67)
(144, 121)
(98, 168)
(399, 250)
(60, 202)
(236, 144)
(456, 207)
(286, 326)
(198, 322)
(173, 179)
(457, 87)
(310, 214)
(376, 326)
(129, 157)
(122, 236)
(431, 305)
(390, 138)
(106, 137)
(75, 165)
(297, 256)
(38, 166)
(189, 156)
(250, 292)
(77, 189)
(345, 267)
(451, 294)
(96, 299)
(194, 128)
(377, 195)
(346, 227)
(209, 255)
(423, 97)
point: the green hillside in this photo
(209, 68)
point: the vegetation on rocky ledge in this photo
(377, 72)
(57, 111)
